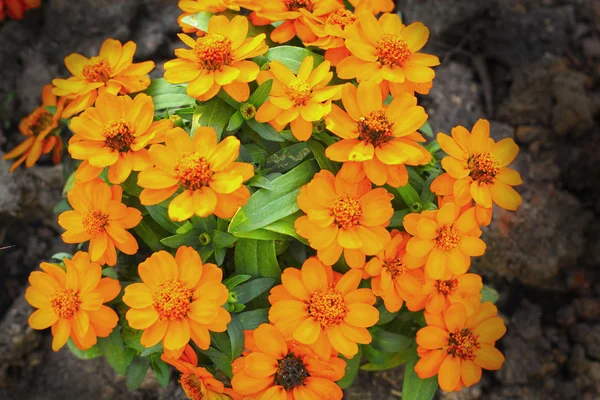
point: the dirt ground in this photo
(530, 66)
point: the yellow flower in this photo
(216, 6)
(373, 6)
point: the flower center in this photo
(172, 300)
(193, 386)
(193, 171)
(395, 267)
(118, 135)
(295, 5)
(65, 303)
(299, 91)
(347, 211)
(375, 129)
(213, 51)
(484, 167)
(41, 120)
(463, 344)
(94, 222)
(391, 49)
(291, 372)
(327, 307)
(97, 70)
(446, 288)
(448, 238)
(341, 17)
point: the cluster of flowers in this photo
(316, 313)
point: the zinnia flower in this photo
(456, 348)
(99, 216)
(71, 302)
(178, 299)
(218, 59)
(114, 134)
(299, 99)
(377, 139)
(373, 6)
(344, 216)
(111, 71)
(216, 6)
(15, 9)
(445, 238)
(211, 179)
(452, 289)
(323, 312)
(476, 168)
(40, 128)
(273, 368)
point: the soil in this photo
(529, 66)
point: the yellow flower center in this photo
(463, 344)
(391, 49)
(347, 211)
(97, 70)
(375, 129)
(341, 17)
(484, 167)
(299, 91)
(172, 300)
(395, 267)
(291, 372)
(213, 51)
(193, 386)
(94, 222)
(327, 307)
(65, 303)
(448, 238)
(40, 120)
(295, 5)
(193, 171)
(118, 135)
(446, 288)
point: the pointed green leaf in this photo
(292, 56)
(256, 258)
(214, 113)
(415, 388)
(261, 94)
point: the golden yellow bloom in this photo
(216, 6)
(373, 6)
(299, 99)
(15, 9)
(218, 59)
(442, 293)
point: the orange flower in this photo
(318, 310)
(71, 302)
(37, 127)
(457, 347)
(386, 50)
(452, 289)
(444, 239)
(99, 216)
(373, 6)
(112, 70)
(211, 179)
(344, 216)
(299, 99)
(476, 168)
(114, 134)
(218, 59)
(216, 6)
(377, 139)
(273, 368)
(15, 9)
(178, 299)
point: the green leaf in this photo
(288, 157)
(115, 352)
(397, 219)
(110, 272)
(161, 369)
(251, 290)
(415, 388)
(256, 258)
(388, 341)
(161, 216)
(152, 350)
(221, 360)
(166, 95)
(235, 280)
(351, 370)
(130, 185)
(62, 206)
(222, 239)
(253, 153)
(235, 330)
(198, 20)
(252, 319)
(427, 196)
(260, 182)
(389, 361)
(131, 337)
(261, 94)
(91, 353)
(265, 131)
(292, 56)
(426, 129)
(235, 121)
(260, 234)
(410, 197)
(146, 233)
(61, 256)
(285, 226)
(223, 95)
(324, 162)
(384, 315)
(186, 239)
(214, 113)
(489, 294)
(136, 373)
(69, 184)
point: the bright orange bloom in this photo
(386, 50)
(216, 6)
(111, 71)
(40, 128)
(457, 347)
(476, 168)
(373, 6)
(218, 59)
(211, 179)
(178, 299)
(444, 239)
(377, 140)
(71, 302)
(323, 312)
(299, 99)
(15, 9)
(344, 216)
(275, 368)
(99, 216)
(452, 289)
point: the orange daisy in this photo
(15, 9)
(178, 299)
(113, 71)
(72, 302)
(373, 6)
(273, 368)
(318, 310)
(216, 6)
(344, 216)
(445, 238)
(457, 347)
(218, 59)
(386, 50)
(379, 140)
(211, 179)
(114, 134)
(41, 129)
(476, 168)
(99, 216)
(299, 99)
(452, 289)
